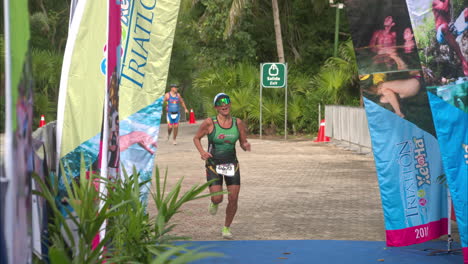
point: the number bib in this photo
(174, 116)
(227, 169)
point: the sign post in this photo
(274, 75)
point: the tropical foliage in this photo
(215, 36)
(131, 234)
(49, 30)
(227, 40)
(335, 83)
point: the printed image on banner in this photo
(403, 93)
(138, 137)
(110, 129)
(405, 147)
(382, 36)
(113, 156)
(440, 29)
(442, 38)
(20, 184)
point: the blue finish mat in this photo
(323, 252)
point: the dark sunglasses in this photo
(223, 101)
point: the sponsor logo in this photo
(423, 174)
(414, 175)
(125, 11)
(223, 136)
(421, 193)
(137, 19)
(422, 201)
(407, 176)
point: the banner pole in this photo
(286, 104)
(261, 74)
(449, 222)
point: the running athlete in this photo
(223, 131)
(174, 100)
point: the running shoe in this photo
(226, 233)
(174, 142)
(213, 208)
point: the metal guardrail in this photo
(346, 123)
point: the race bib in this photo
(174, 116)
(227, 169)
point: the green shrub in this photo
(131, 235)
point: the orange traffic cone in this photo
(42, 122)
(192, 117)
(321, 134)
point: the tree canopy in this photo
(218, 46)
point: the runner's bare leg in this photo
(216, 199)
(231, 207)
(176, 129)
(169, 130)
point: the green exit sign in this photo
(273, 75)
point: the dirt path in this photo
(290, 190)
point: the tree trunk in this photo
(279, 39)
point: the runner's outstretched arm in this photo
(183, 103)
(244, 144)
(204, 130)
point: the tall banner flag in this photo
(82, 87)
(113, 65)
(15, 174)
(109, 153)
(404, 144)
(440, 29)
(148, 29)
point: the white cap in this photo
(218, 96)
